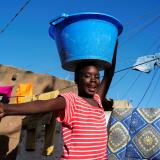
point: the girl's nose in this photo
(93, 78)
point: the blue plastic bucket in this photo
(85, 36)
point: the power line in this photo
(122, 77)
(147, 88)
(13, 18)
(158, 47)
(154, 88)
(141, 29)
(135, 65)
(132, 84)
(153, 44)
(142, 16)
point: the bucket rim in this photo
(71, 65)
(90, 15)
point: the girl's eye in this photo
(87, 75)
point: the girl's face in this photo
(88, 81)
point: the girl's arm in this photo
(39, 106)
(108, 75)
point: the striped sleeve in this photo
(98, 99)
(67, 114)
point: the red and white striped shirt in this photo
(84, 129)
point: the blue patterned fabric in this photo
(134, 134)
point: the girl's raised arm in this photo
(108, 75)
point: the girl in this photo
(82, 116)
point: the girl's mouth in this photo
(92, 88)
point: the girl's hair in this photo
(82, 65)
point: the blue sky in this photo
(26, 44)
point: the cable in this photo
(132, 84)
(147, 88)
(153, 44)
(151, 20)
(12, 19)
(154, 88)
(158, 47)
(156, 82)
(120, 79)
(141, 29)
(135, 65)
(141, 17)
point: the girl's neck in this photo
(86, 96)
(90, 100)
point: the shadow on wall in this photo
(48, 88)
(4, 147)
(4, 140)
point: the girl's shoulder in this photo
(96, 97)
(69, 95)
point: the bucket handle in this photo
(58, 19)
